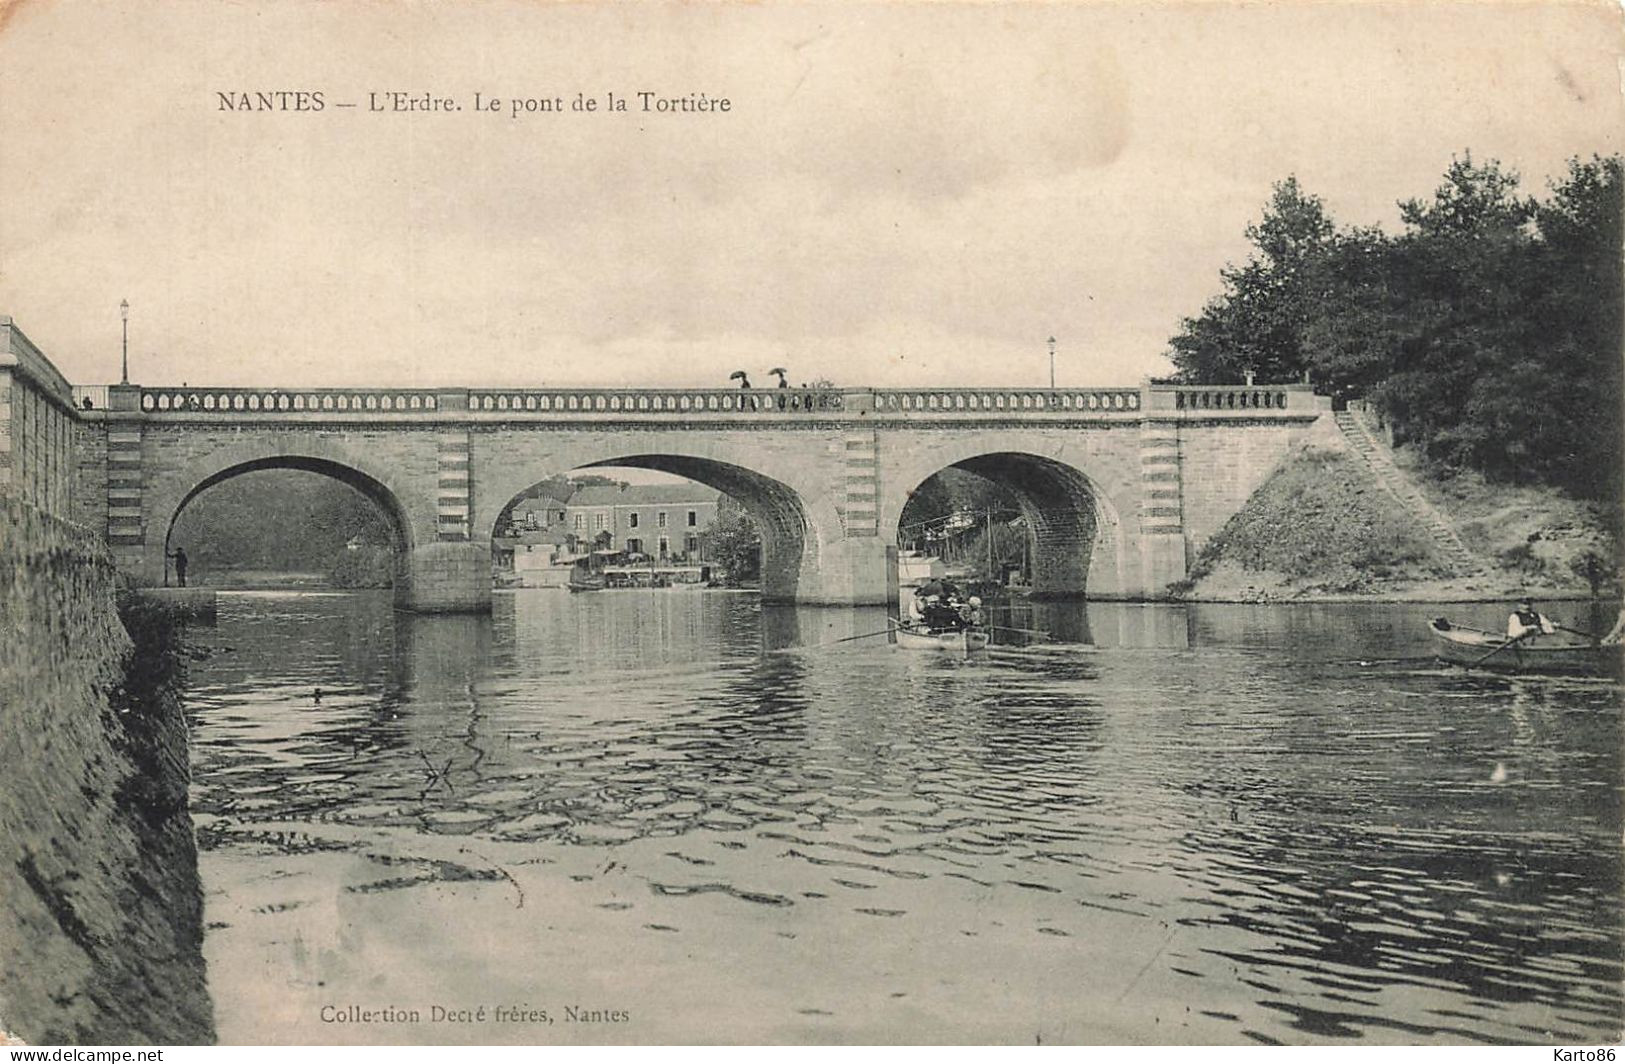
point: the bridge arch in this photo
(1074, 529)
(165, 497)
(796, 528)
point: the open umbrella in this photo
(780, 372)
(739, 375)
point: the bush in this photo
(365, 567)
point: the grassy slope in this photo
(1321, 527)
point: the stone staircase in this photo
(1378, 457)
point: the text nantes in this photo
(276, 100)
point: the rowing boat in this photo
(1554, 652)
(963, 640)
(586, 580)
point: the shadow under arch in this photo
(789, 545)
(1073, 529)
(380, 495)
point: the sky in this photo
(898, 195)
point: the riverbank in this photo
(1320, 529)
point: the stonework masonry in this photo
(37, 427)
(101, 927)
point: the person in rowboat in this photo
(1617, 632)
(1525, 620)
(935, 606)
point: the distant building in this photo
(534, 557)
(661, 520)
(534, 515)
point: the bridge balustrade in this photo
(766, 401)
(985, 400)
(271, 401)
(1242, 398)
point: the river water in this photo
(683, 816)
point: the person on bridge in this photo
(1525, 620)
(180, 566)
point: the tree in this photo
(949, 492)
(1472, 202)
(1257, 323)
(1576, 311)
(1487, 331)
(734, 544)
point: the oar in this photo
(1007, 628)
(844, 639)
(1497, 650)
(1574, 631)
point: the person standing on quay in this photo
(180, 566)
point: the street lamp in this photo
(124, 315)
(1052, 362)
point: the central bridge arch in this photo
(797, 526)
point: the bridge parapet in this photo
(984, 401)
(1252, 398)
(678, 401)
(1288, 401)
(244, 401)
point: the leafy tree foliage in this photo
(1487, 331)
(734, 543)
(277, 519)
(1256, 324)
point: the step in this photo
(1398, 483)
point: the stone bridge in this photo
(1120, 486)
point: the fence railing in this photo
(90, 396)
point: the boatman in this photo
(1526, 620)
(1617, 632)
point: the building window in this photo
(660, 519)
(693, 518)
(632, 519)
(691, 544)
(665, 546)
(598, 521)
(581, 522)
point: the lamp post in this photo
(1052, 362)
(124, 315)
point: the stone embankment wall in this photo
(39, 431)
(100, 903)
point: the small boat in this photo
(585, 578)
(963, 640)
(1559, 652)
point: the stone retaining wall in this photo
(100, 904)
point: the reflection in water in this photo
(1211, 824)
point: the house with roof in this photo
(660, 520)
